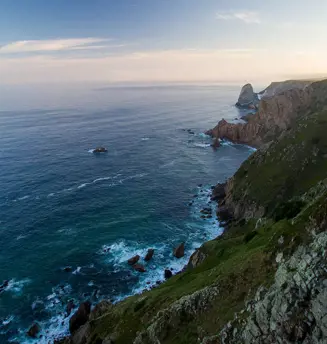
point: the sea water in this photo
(70, 219)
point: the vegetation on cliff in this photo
(278, 201)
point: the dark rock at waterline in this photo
(80, 317)
(168, 274)
(133, 260)
(149, 255)
(139, 268)
(4, 285)
(68, 269)
(70, 306)
(224, 214)
(206, 211)
(100, 150)
(218, 193)
(215, 143)
(34, 330)
(190, 131)
(179, 250)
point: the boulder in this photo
(168, 274)
(68, 269)
(139, 268)
(133, 260)
(149, 255)
(179, 250)
(247, 98)
(80, 317)
(34, 330)
(100, 150)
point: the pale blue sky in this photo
(161, 40)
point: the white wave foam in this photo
(51, 194)
(202, 145)
(82, 186)
(17, 287)
(91, 150)
(77, 271)
(8, 320)
(23, 198)
(21, 236)
(204, 136)
(145, 138)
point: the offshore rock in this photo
(100, 150)
(248, 98)
(139, 268)
(149, 254)
(34, 330)
(179, 250)
(133, 260)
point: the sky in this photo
(142, 41)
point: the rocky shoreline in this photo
(264, 279)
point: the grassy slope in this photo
(244, 257)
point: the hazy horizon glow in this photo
(179, 41)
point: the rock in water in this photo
(139, 268)
(247, 98)
(168, 274)
(80, 317)
(100, 150)
(133, 260)
(179, 250)
(149, 255)
(34, 330)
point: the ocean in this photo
(70, 219)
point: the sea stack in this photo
(248, 99)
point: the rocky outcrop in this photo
(168, 274)
(279, 87)
(100, 150)
(80, 317)
(274, 116)
(185, 309)
(133, 260)
(196, 259)
(139, 268)
(179, 250)
(149, 254)
(34, 330)
(293, 309)
(248, 98)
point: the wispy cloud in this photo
(53, 45)
(248, 17)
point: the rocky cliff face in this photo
(275, 115)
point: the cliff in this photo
(264, 279)
(275, 115)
